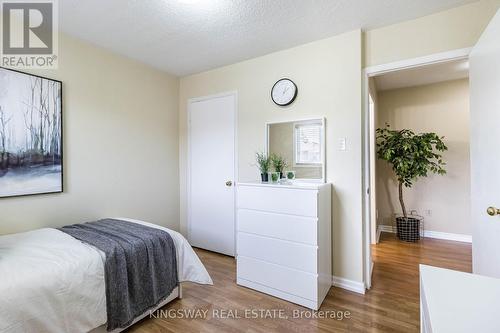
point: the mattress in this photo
(51, 282)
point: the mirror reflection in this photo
(301, 144)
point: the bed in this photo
(52, 282)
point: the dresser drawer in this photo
(288, 227)
(279, 200)
(281, 278)
(294, 255)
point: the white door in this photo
(372, 195)
(485, 149)
(212, 173)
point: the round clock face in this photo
(284, 92)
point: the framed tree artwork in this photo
(31, 151)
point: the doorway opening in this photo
(426, 95)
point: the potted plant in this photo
(290, 175)
(264, 164)
(274, 177)
(279, 164)
(411, 156)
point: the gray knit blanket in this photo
(140, 268)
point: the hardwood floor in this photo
(391, 305)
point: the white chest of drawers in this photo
(284, 240)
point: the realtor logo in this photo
(29, 34)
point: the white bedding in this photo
(51, 282)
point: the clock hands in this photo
(283, 92)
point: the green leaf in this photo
(411, 155)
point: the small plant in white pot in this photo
(411, 156)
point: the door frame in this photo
(191, 101)
(369, 72)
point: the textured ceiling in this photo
(189, 36)
(452, 70)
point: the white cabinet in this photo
(284, 240)
(458, 302)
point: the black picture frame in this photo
(60, 143)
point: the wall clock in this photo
(284, 92)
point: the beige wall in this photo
(442, 108)
(328, 76)
(448, 30)
(120, 144)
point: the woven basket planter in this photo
(408, 228)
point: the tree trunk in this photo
(401, 201)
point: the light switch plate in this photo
(342, 144)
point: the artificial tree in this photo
(411, 156)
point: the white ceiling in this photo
(452, 70)
(188, 36)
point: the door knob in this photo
(492, 211)
(229, 183)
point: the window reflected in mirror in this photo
(301, 144)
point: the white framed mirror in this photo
(302, 144)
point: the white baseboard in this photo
(448, 236)
(384, 228)
(379, 231)
(357, 287)
(431, 234)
